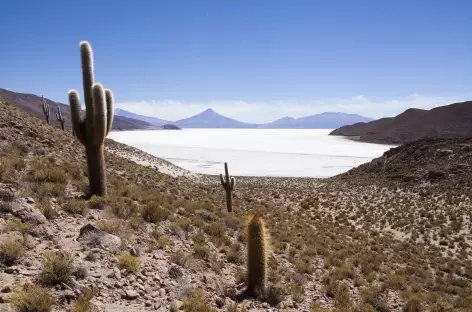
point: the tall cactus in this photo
(257, 250)
(92, 130)
(61, 118)
(46, 108)
(228, 184)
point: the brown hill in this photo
(450, 121)
(32, 104)
(444, 163)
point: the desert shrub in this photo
(215, 229)
(16, 224)
(11, 251)
(46, 209)
(197, 303)
(128, 262)
(199, 238)
(304, 266)
(45, 190)
(175, 272)
(201, 251)
(114, 227)
(273, 295)
(76, 206)
(373, 296)
(123, 208)
(235, 254)
(413, 305)
(341, 296)
(97, 202)
(57, 267)
(83, 304)
(297, 292)
(32, 298)
(153, 212)
(316, 307)
(179, 258)
(9, 164)
(42, 170)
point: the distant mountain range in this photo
(450, 121)
(32, 104)
(125, 120)
(211, 119)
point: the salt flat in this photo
(254, 152)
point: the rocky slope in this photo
(450, 121)
(32, 104)
(162, 240)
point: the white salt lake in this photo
(254, 152)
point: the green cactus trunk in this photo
(229, 201)
(256, 256)
(96, 169)
(92, 130)
(228, 185)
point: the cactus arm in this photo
(226, 173)
(233, 181)
(77, 121)
(99, 114)
(222, 181)
(110, 111)
(86, 55)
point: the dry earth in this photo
(392, 235)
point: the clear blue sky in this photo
(252, 51)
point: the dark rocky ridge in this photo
(450, 121)
(32, 104)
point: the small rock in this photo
(29, 200)
(131, 295)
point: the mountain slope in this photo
(32, 104)
(326, 120)
(450, 121)
(211, 119)
(152, 120)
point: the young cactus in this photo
(257, 250)
(92, 130)
(61, 118)
(46, 109)
(228, 185)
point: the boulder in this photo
(91, 235)
(27, 212)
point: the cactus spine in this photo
(228, 184)
(92, 130)
(61, 118)
(46, 108)
(256, 255)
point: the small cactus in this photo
(257, 250)
(61, 118)
(92, 130)
(228, 184)
(46, 108)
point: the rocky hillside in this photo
(450, 121)
(32, 104)
(442, 162)
(163, 240)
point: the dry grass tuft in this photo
(32, 298)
